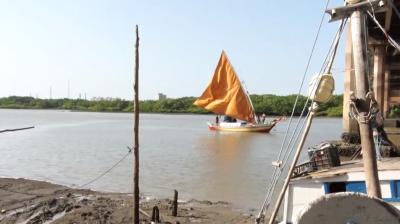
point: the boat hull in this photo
(244, 128)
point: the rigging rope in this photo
(390, 39)
(273, 182)
(326, 67)
(278, 170)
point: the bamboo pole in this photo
(293, 165)
(136, 134)
(368, 151)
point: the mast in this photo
(355, 9)
(367, 145)
(248, 97)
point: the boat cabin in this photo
(348, 177)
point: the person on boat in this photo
(263, 116)
(257, 119)
(229, 119)
(217, 119)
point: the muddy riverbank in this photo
(34, 202)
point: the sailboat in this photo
(226, 96)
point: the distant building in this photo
(161, 96)
(104, 99)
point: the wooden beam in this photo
(379, 73)
(349, 125)
(345, 11)
(394, 99)
(388, 17)
(386, 83)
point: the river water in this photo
(176, 152)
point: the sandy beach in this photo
(34, 202)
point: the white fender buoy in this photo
(321, 88)
(349, 207)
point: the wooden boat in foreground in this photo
(226, 96)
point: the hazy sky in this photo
(90, 43)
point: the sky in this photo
(46, 44)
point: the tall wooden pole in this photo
(293, 165)
(368, 151)
(136, 134)
(349, 125)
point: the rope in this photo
(108, 170)
(335, 46)
(273, 182)
(80, 186)
(326, 67)
(390, 39)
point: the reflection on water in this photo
(228, 154)
(177, 152)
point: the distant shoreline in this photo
(268, 104)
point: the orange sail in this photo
(225, 95)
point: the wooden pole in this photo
(136, 134)
(292, 166)
(350, 126)
(368, 151)
(175, 204)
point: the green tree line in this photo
(267, 103)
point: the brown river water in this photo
(176, 152)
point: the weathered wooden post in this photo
(136, 134)
(356, 10)
(367, 146)
(155, 215)
(175, 204)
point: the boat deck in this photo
(386, 164)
